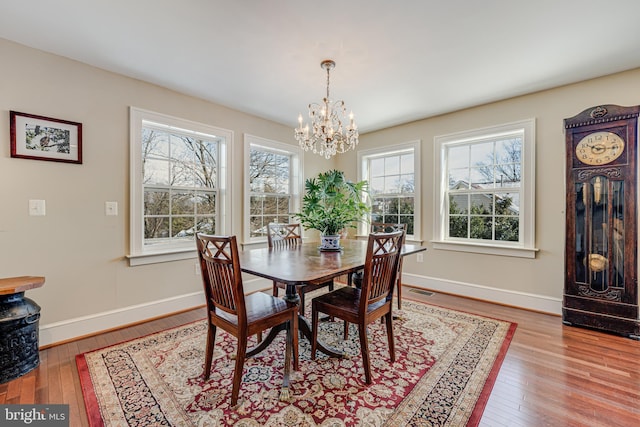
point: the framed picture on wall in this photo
(44, 138)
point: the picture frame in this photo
(45, 138)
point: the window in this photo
(273, 183)
(178, 185)
(485, 198)
(393, 174)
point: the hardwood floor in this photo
(552, 375)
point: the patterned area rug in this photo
(446, 364)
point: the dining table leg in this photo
(304, 327)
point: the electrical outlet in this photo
(111, 208)
(419, 257)
(37, 208)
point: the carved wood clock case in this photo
(601, 287)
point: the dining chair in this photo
(283, 236)
(372, 301)
(383, 227)
(236, 313)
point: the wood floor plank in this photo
(552, 375)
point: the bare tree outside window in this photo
(180, 184)
(270, 189)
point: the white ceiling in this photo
(397, 61)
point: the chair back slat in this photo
(381, 267)
(284, 235)
(221, 274)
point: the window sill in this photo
(158, 257)
(485, 249)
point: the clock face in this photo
(599, 148)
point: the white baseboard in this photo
(65, 330)
(57, 332)
(524, 300)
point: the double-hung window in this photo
(485, 200)
(393, 175)
(273, 182)
(178, 185)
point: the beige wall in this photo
(81, 251)
(486, 276)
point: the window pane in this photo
(508, 204)
(155, 144)
(377, 206)
(392, 175)
(377, 168)
(206, 224)
(458, 157)
(507, 229)
(155, 172)
(458, 178)
(482, 177)
(283, 205)
(407, 184)
(458, 203)
(156, 202)
(407, 220)
(391, 184)
(406, 205)
(182, 227)
(255, 205)
(509, 151)
(269, 205)
(156, 227)
(205, 203)
(482, 204)
(392, 165)
(182, 203)
(376, 185)
(480, 227)
(482, 154)
(458, 226)
(256, 226)
(407, 163)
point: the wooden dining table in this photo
(306, 264)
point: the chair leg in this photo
(275, 289)
(364, 349)
(211, 342)
(392, 350)
(346, 330)
(314, 331)
(237, 373)
(302, 306)
(294, 341)
(399, 286)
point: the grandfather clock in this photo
(601, 269)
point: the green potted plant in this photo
(331, 204)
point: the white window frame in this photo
(138, 253)
(364, 156)
(295, 179)
(525, 248)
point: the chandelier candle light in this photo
(328, 137)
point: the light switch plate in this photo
(111, 208)
(37, 208)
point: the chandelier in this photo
(329, 133)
